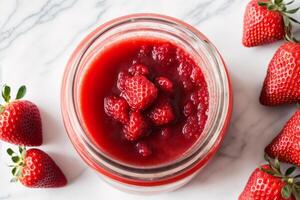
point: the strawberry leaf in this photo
(6, 93)
(21, 150)
(293, 11)
(261, 3)
(268, 171)
(286, 191)
(271, 7)
(15, 159)
(10, 151)
(13, 171)
(290, 170)
(21, 92)
(277, 165)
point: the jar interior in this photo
(198, 48)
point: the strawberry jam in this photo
(144, 101)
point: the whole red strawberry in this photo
(136, 127)
(164, 84)
(268, 183)
(36, 169)
(286, 146)
(117, 108)
(162, 112)
(139, 92)
(20, 120)
(282, 83)
(266, 21)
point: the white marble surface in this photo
(38, 36)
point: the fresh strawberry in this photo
(282, 83)
(138, 69)
(164, 84)
(139, 92)
(117, 108)
(286, 146)
(266, 21)
(136, 127)
(268, 183)
(162, 112)
(20, 120)
(36, 169)
(143, 149)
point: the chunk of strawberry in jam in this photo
(136, 127)
(122, 77)
(165, 84)
(186, 70)
(144, 51)
(197, 76)
(138, 69)
(189, 108)
(143, 149)
(164, 54)
(117, 108)
(139, 92)
(162, 112)
(191, 127)
(200, 97)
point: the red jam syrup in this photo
(144, 101)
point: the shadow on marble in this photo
(71, 167)
(54, 134)
(52, 128)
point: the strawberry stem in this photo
(292, 187)
(18, 162)
(6, 91)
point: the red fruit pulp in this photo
(162, 58)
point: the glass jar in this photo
(167, 177)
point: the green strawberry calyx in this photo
(18, 162)
(281, 7)
(6, 95)
(292, 183)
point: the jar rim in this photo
(221, 118)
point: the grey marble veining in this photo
(36, 40)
